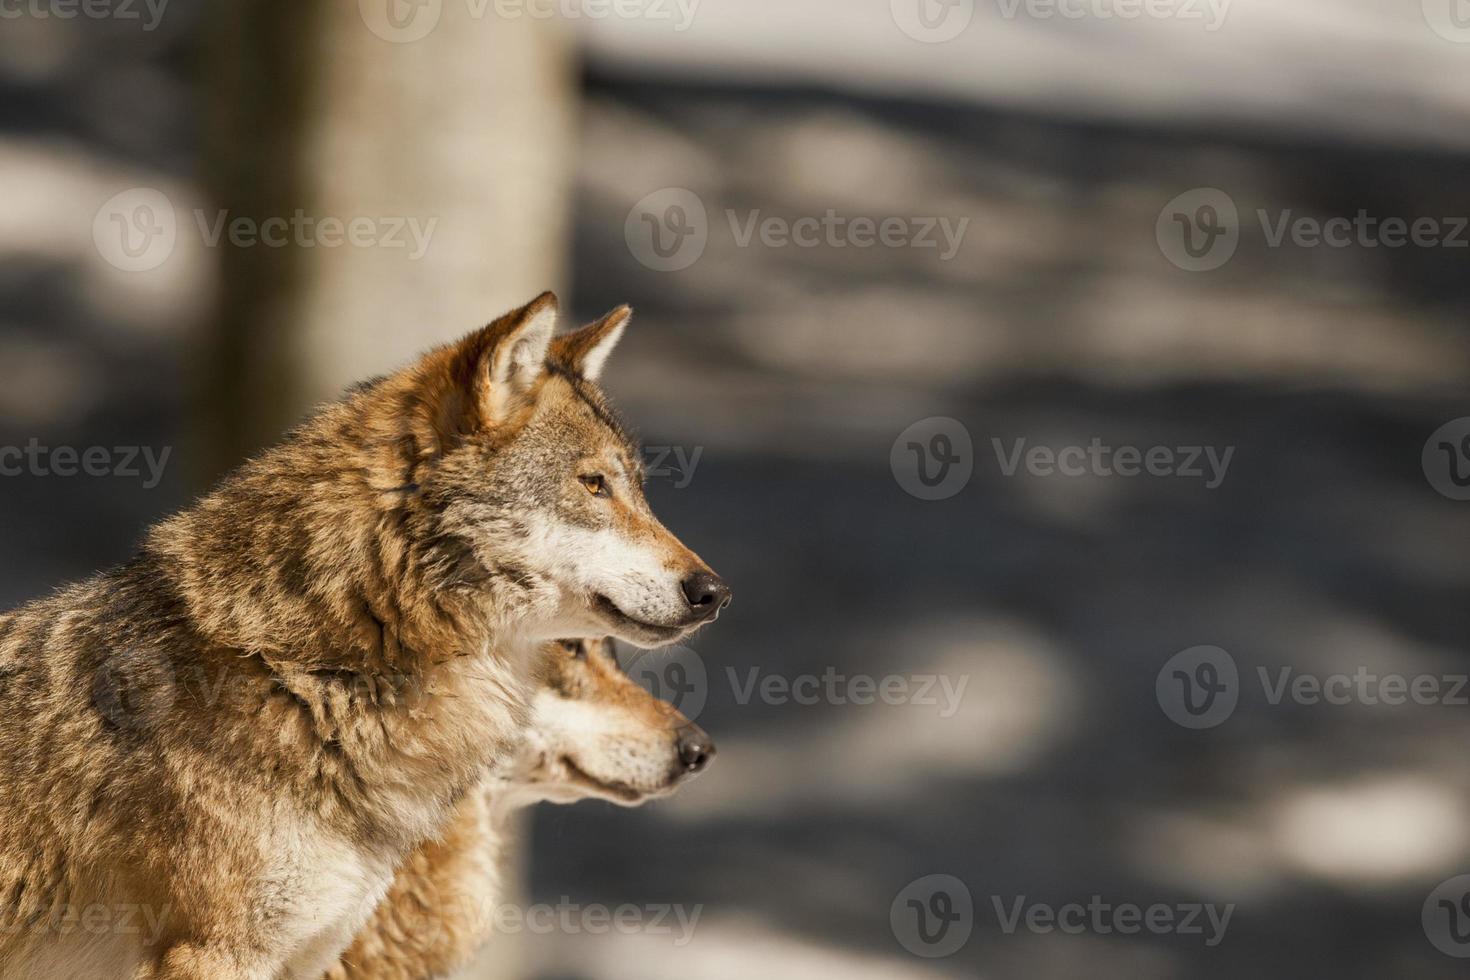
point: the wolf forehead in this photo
(598, 418)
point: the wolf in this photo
(594, 734)
(246, 729)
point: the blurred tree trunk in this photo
(312, 115)
(318, 111)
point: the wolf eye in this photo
(595, 485)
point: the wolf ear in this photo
(515, 359)
(584, 352)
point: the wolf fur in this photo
(593, 734)
(248, 727)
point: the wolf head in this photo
(594, 733)
(531, 481)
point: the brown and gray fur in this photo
(241, 733)
(594, 734)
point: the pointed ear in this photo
(584, 352)
(514, 359)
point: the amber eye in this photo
(575, 648)
(595, 485)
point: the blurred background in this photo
(881, 251)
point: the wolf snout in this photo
(696, 749)
(706, 595)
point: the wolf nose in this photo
(696, 749)
(706, 594)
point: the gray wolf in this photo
(594, 734)
(246, 729)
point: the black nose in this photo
(706, 594)
(696, 749)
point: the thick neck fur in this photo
(321, 574)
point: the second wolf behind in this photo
(594, 734)
(246, 729)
